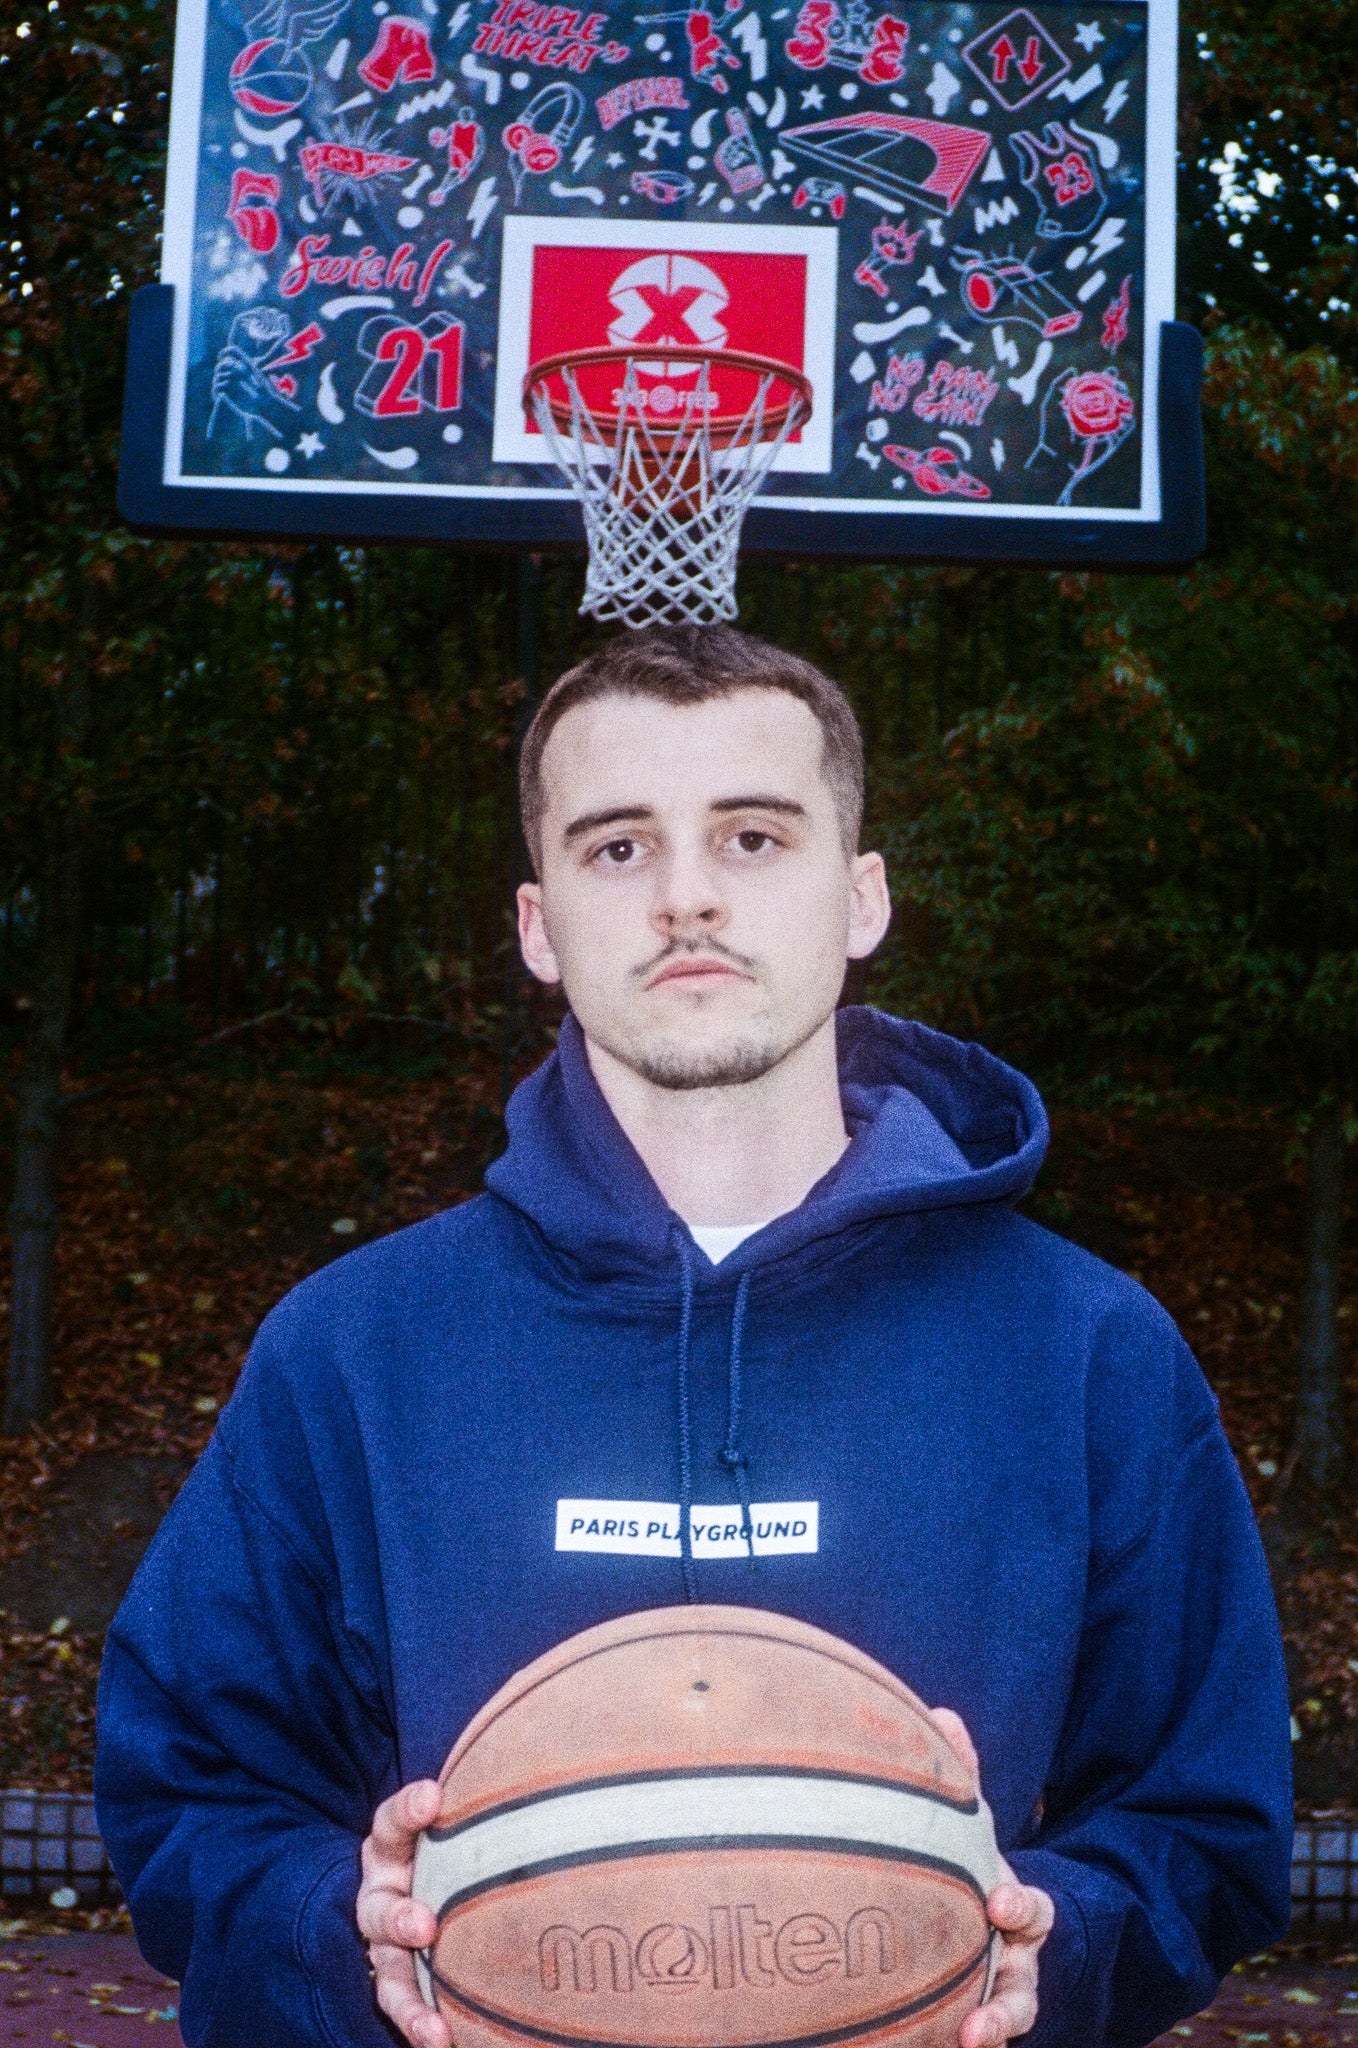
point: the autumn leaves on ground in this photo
(190, 1204)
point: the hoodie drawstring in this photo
(733, 1455)
(685, 1427)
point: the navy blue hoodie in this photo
(968, 1447)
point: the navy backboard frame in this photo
(956, 219)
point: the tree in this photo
(81, 117)
(1284, 980)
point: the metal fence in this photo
(50, 1844)
(1325, 1871)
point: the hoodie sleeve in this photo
(1167, 1826)
(244, 1742)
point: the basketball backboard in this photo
(955, 219)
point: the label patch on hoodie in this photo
(650, 1528)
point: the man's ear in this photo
(534, 944)
(869, 905)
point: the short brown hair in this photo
(690, 665)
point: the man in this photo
(742, 1249)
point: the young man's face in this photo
(695, 899)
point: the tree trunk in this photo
(33, 1212)
(1318, 1453)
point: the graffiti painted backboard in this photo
(956, 219)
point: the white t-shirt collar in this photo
(719, 1240)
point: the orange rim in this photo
(721, 427)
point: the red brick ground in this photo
(1290, 2004)
(94, 1991)
(84, 1991)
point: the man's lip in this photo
(689, 970)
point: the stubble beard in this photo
(730, 1065)
(744, 1053)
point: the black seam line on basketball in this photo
(698, 1772)
(671, 1845)
(669, 1635)
(825, 2039)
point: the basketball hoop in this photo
(664, 464)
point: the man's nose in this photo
(688, 899)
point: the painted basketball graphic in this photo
(269, 79)
(706, 1827)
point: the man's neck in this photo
(743, 1154)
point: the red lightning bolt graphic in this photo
(298, 348)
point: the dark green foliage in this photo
(1269, 154)
(1141, 861)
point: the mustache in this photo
(691, 949)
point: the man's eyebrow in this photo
(621, 814)
(634, 814)
(786, 806)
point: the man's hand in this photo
(391, 1922)
(1024, 1917)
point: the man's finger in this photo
(401, 1818)
(1021, 1912)
(394, 1918)
(399, 1998)
(1016, 1975)
(998, 2020)
(953, 1729)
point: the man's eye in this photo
(618, 851)
(753, 842)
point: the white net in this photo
(664, 494)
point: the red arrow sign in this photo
(1001, 57)
(1030, 63)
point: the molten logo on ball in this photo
(741, 1949)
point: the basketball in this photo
(706, 1827)
(268, 79)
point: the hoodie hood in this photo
(933, 1123)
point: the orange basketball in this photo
(706, 1827)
